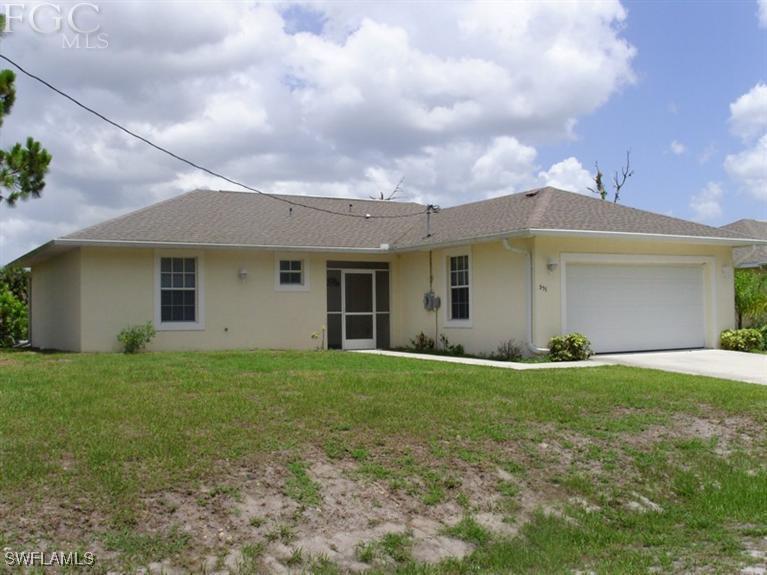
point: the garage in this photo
(622, 307)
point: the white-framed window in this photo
(178, 299)
(291, 273)
(459, 289)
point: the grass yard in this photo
(325, 462)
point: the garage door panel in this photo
(634, 308)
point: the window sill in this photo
(289, 287)
(458, 323)
(180, 326)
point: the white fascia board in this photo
(595, 234)
(203, 245)
(678, 238)
(386, 248)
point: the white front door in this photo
(358, 304)
(636, 307)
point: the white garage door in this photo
(636, 307)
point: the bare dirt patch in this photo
(250, 509)
(727, 431)
(756, 551)
(248, 520)
(357, 511)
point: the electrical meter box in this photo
(431, 301)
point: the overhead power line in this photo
(195, 165)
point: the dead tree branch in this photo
(626, 173)
(392, 194)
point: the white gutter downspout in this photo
(529, 267)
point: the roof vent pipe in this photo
(430, 209)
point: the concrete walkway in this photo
(736, 365)
(483, 362)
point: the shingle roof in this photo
(205, 217)
(751, 256)
(242, 218)
(551, 209)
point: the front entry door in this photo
(358, 297)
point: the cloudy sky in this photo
(463, 100)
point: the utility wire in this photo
(194, 164)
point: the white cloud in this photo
(748, 119)
(677, 148)
(505, 165)
(750, 168)
(569, 175)
(456, 100)
(762, 13)
(706, 204)
(748, 114)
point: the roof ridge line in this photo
(642, 210)
(133, 212)
(343, 198)
(542, 203)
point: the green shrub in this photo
(16, 280)
(508, 350)
(741, 339)
(13, 318)
(135, 338)
(570, 347)
(750, 296)
(763, 331)
(422, 342)
(456, 349)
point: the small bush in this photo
(13, 318)
(741, 339)
(570, 347)
(422, 342)
(135, 338)
(450, 349)
(763, 331)
(508, 350)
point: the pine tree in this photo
(22, 167)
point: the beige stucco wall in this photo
(498, 297)
(82, 299)
(55, 303)
(500, 287)
(119, 290)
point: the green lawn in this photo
(152, 457)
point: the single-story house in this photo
(754, 256)
(216, 270)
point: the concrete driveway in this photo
(748, 367)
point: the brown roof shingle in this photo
(248, 219)
(551, 209)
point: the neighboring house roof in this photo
(750, 256)
(243, 219)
